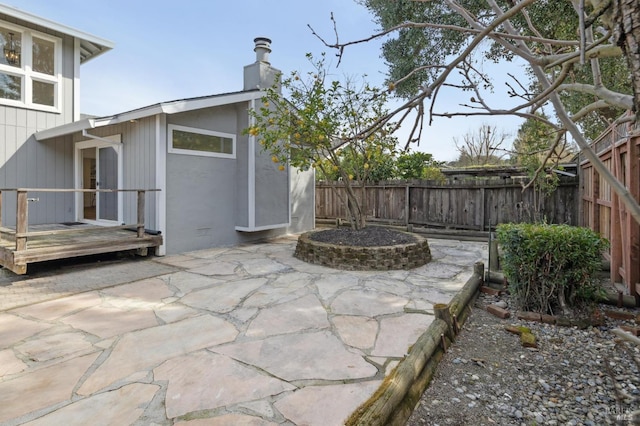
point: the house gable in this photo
(40, 65)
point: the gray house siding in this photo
(139, 167)
(207, 197)
(201, 190)
(38, 165)
(139, 140)
(25, 162)
(265, 188)
(242, 167)
(302, 192)
(200, 210)
(271, 191)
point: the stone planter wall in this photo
(401, 256)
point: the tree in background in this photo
(486, 146)
(418, 165)
(380, 163)
(537, 144)
(540, 149)
(431, 45)
(386, 164)
(327, 124)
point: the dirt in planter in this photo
(369, 236)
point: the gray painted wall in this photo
(200, 207)
(271, 191)
(207, 197)
(242, 166)
(202, 191)
(303, 211)
(25, 162)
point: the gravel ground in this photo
(488, 378)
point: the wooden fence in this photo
(469, 204)
(602, 210)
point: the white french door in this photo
(99, 166)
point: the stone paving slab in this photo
(244, 335)
(19, 290)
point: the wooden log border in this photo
(393, 402)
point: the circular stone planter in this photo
(360, 258)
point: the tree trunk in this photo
(354, 210)
(626, 28)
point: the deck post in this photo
(22, 219)
(140, 225)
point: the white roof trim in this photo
(76, 126)
(90, 45)
(172, 107)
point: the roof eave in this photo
(172, 107)
(65, 129)
(103, 45)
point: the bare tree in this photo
(485, 146)
(608, 28)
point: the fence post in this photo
(0, 215)
(482, 210)
(140, 224)
(407, 204)
(22, 219)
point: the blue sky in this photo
(167, 50)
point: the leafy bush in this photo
(551, 268)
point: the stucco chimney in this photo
(262, 49)
(260, 74)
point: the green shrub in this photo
(551, 268)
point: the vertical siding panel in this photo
(10, 166)
(66, 115)
(30, 120)
(11, 115)
(22, 156)
(138, 140)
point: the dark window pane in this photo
(43, 93)
(43, 56)
(199, 142)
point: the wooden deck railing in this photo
(22, 233)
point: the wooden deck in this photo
(27, 244)
(63, 241)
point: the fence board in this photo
(603, 211)
(456, 204)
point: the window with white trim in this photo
(29, 68)
(207, 143)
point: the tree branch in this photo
(600, 104)
(606, 51)
(612, 98)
